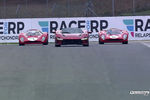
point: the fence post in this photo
(47, 7)
(133, 5)
(4, 7)
(68, 7)
(17, 10)
(113, 7)
(26, 11)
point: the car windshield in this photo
(113, 31)
(71, 31)
(33, 33)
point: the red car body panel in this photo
(62, 39)
(110, 38)
(33, 39)
(72, 36)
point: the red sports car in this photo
(71, 36)
(113, 35)
(33, 36)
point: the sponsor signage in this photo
(137, 26)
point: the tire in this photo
(46, 43)
(21, 44)
(56, 45)
(100, 42)
(126, 42)
(86, 45)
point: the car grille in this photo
(114, 40)
(36, 42)
(77, 41)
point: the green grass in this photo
(8, 43)
(18, 43)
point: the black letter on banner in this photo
(1, 23)
(80, 24)
(63, 25)
(20, 26)
(53, 26)
(72, 22)
(11, 27)
(138, 26)
(147, 25)
(103, 24)
(94, 26)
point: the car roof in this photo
(72, 28)
(114, 29)
(33, 30)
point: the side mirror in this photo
(89, 32)
(57, 32)
(54, 32)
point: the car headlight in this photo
(103, 37)
(85, 38)
(58, 38)
(124, 36)
(43, 39)
(22, 39)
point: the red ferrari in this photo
(71, 36)
(33, 36)
(113, 35)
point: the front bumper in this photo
(71, 41)
(33, 42)
(109, 40)
(114, 40)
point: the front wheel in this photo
(21, 44)
(126, 42)
(100, 42)
(86, 44)
(56, 45)
(46, 43)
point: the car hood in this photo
(71, 35)
(114, 34)
(33, 36)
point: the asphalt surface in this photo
(97, 72)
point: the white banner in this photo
(137, 26)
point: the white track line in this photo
(146, 44)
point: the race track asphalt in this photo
(97, 72)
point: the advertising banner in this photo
(137, 26)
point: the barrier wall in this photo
(137, 26)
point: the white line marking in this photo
(146, 44)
